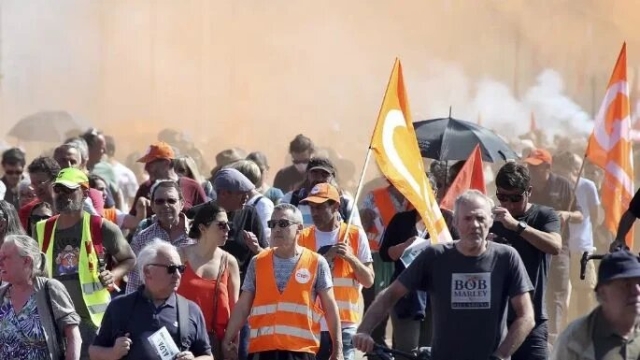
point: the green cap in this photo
(72, 178)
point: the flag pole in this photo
(367, 157)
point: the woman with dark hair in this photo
(212, 275)
(9, 221)
(41, 211)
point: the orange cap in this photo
(159, 150)
(321, 193)
(538, 156)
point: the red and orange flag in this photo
(609, 147)
(395, 147)
(471, 176)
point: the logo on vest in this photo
(471, 291)
(303, 276)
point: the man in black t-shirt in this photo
(534, 231)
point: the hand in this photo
(251, 241)
(618, 244)
(504, 217)
(363, 342)
(106, 278)
(230, 351)
(142, 204)
(185, 355)
(343, 250)
(564, 216)
(409, 241)
(121, 347)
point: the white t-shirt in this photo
(581, 234)
(264, 208)
(364, 255)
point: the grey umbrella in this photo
(47, 126)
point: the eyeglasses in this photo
(224, 225)
(171, 269)
(514, 198)
(282, 223)
(63, 190)
(165, 201)
(13, 172)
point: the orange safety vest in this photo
(385, 210)
(288, 321)
(346, 287)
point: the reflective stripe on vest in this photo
(95, 296)
(287, 321)
(384, 209)
(346, 287)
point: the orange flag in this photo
(395, 147)
(609, 147)
(471, 176)
(533, 127)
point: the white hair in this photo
(150, 252)
(28, 247)
(81, 146)
(297, 215)
(469, 196)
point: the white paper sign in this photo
(412, 252)
(162, 341)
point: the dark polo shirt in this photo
(136, 314)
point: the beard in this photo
(63, 204)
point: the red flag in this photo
(471, 176)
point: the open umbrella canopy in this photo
(452, 139)
(46, 126)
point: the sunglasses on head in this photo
(165, 201)
(171, 269)
(514, 198)
(282, 223)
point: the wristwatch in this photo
(521, 226)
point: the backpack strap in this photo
(257, 200)
(183, 323)
(48, 232)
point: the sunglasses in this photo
(165, 201)
(171, 269)
(282, 223)
(63, 190)
(224, 225)
(514, 198)
(13, 172)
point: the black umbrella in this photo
(46, 126)
(453, 139)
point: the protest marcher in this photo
(13, 163)
(534, 232)
(131, 322)
(350, 259)
(283, 313)
(74, 243)
(37, 316)
(610, 331)
(470, 283)
(301, 150)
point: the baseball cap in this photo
(320, 163)
(232, 180)
(72, 178)
(620, 264)
(322, 192)
(538, 156)
(157, 151)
